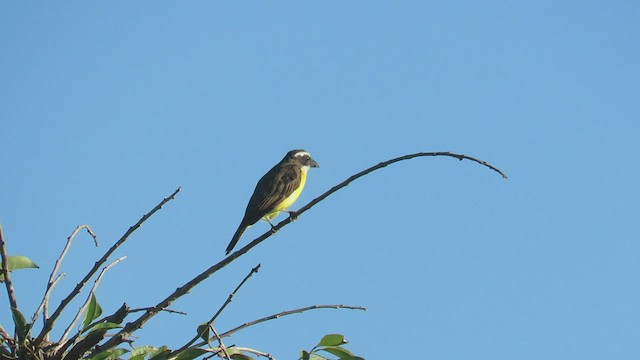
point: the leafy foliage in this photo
(17, 262)
(93, 312)
(329, 345)
(94, 339)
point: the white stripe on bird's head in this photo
(301, 154)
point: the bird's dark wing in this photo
(275, 186)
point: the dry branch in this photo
(289, 312)
(54, 278)
(7, 282)
(86, 303)
(224, 305)
(5, 271)
(51, 321)
(294, 214)
(130, 327)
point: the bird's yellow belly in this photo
(284, 205)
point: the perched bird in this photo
(276, 191)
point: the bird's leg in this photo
(273, 227)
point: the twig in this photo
(122, 335)
(44, 305)
(385, 164)
(224, 305)
(8, 284)
(140, 321)
(45, 300)
(286, 313)
(5, 336)
(165, 310)
(5, 271)
(50, 322)
(230, 297)
(222, 347)
(86, 303)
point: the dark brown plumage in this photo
(278, 189)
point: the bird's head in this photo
(301, 158)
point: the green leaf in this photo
(203, 331)
(140, 353)
(142, 350)
(21, 324)
(93, 312)
(112, 354)
(304, 355)
(332, 340)
(317, 357)
(17, 262)
(338, 351)
(190, 354)
(103, 326)
(241, 357)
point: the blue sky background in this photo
(107, 107)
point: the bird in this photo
(276, 191)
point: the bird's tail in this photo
(236, 237)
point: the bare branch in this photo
(4, 335)
(165, 310)
(45, 299)
(63, 304)
(140, 321)
(86, 303)
(227, 302)
(230, 297)
(5, 271)
(295, 214)
(289, 312)
(44, 305)
(123, 334)
(222, 347)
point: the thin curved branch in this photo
(51, 321)
(170, 311)
(129, 328)
(5, 271)
(223, 348)
(86, 303)
(9, 286)
(312, 203)
(277, 316)
(44, 305)
(286, 313)
(215, 316)
(389, 162)
(45, 299)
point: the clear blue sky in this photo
(107, 107)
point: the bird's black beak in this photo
(313, 163)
